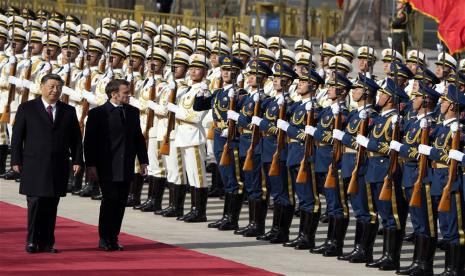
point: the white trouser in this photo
(193, 160)
(155, 167)
(174, 169)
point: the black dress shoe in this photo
(117, 247)
(18, 180)
(31, 248)
(48, 249)
(97, 197)
(104, 245)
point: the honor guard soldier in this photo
(176, 175)
(154, 129)
(122, 37)
(346, 51)
(149, 28)
(333, 116)
(219, 102)
(307, 193)
(303, 45)
(258, 41)
(190, 137)
(327, 51)
(393, 211)
(257, 73)
(414, 60)
(302, 61)
(167, 30)
(399, 27)
(388, 56)
(422, 217)
(450, 221)
(444, 66)
(185, 45)
(366, 60)
(110, 24)
(353, 169)
(275, 171)
(17, 42)
(273, 44)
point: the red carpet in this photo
(79, 255)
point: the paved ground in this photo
(223, 244)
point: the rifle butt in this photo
(165, 147)
(5, 115)
(302, 175)
(444, 203)
(352, 189)
(274, 168)
(415, 201)
(225, 158)
(248, 163)
(386, 191)
(211, 132)
(331, 179)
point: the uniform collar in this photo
(449, 121)
(419, 117)
(367, 107)
(384, 113)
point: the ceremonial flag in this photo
(450, 16)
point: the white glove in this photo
(424, 123)
(135, 102)
(456, 155)
(256, 120)
(152, 105)
(256, 97)
(46, 68)
(231, 93)
(149, 83)
(363, 114)
(12, 80)
(90, 97)
(201, 93)
(394, 145)
(362, 140)
(394, 120)
(233, 115)
(171, 85)
(172, 107)
(110, 74)
(310, 130)
(424, 149)
(65, 69)
(338, 134)
(12, 60)
(68, 91)
(129, 77)
(203, 86)
(280, 99)
(281, 124)
(240, 78)
(454, 127)
(224, 133)
(309, 105)
(26, 84)
(335, 109)
(86, 72)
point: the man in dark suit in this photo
(113, 140)
(45, 135)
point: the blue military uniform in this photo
(219, 102)
(336, 200)
(394, 211)
(362, 205)
(253, 181)
(307, 194)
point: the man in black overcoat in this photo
(112, 141)
(46, 135)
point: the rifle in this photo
(103, 62)
(444, 203)
(12, 87)
(322, 58)
(352, 189)
(142, 67)
(152, 96)
(248, 163)
(27, 76)
(88, 87)
(302, 175)
(415, 200)
(386, 191)
(331, 177)
(241, 84)
(64, 97)
(281, 137)
(225, 157)
(165, 145)
(211, 130)
(131, 69)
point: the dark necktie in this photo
(120, 109)
(50, 113)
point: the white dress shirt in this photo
(54, 107)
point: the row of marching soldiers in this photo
(269, 122)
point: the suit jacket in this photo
(112, 141)
(43, 148)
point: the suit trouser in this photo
(115, 195)
(41, 219)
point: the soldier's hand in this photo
(424, 149)
(224, 133)
(338, 134)
(424, 123)
(456, 155)
(454, 127)
(335, 108)
(394, 145)
(309, 105)
(172, 107)
(363, 114)
(256, 120)
(310, 130)
(233, 115)
(362, 140)
(283, 125)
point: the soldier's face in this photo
(383, 98)
(252, 80)
(362, 64)
(2, 42)
(417, 102)
(412, 66)
(439, 71)
(180, 71)
(137, 61)
(36, 48)
(196, 74)
(332, 93)
(226, 75)
(116, 61)
(52, 50)
(278, 83)
(214, 60)
(298, 69)
(73, 54)
(357, 94)
(94, 58)
(19, 46)
(51, 91)
(156, 65)
(387, 67)
(445, 106)
(303, 87)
